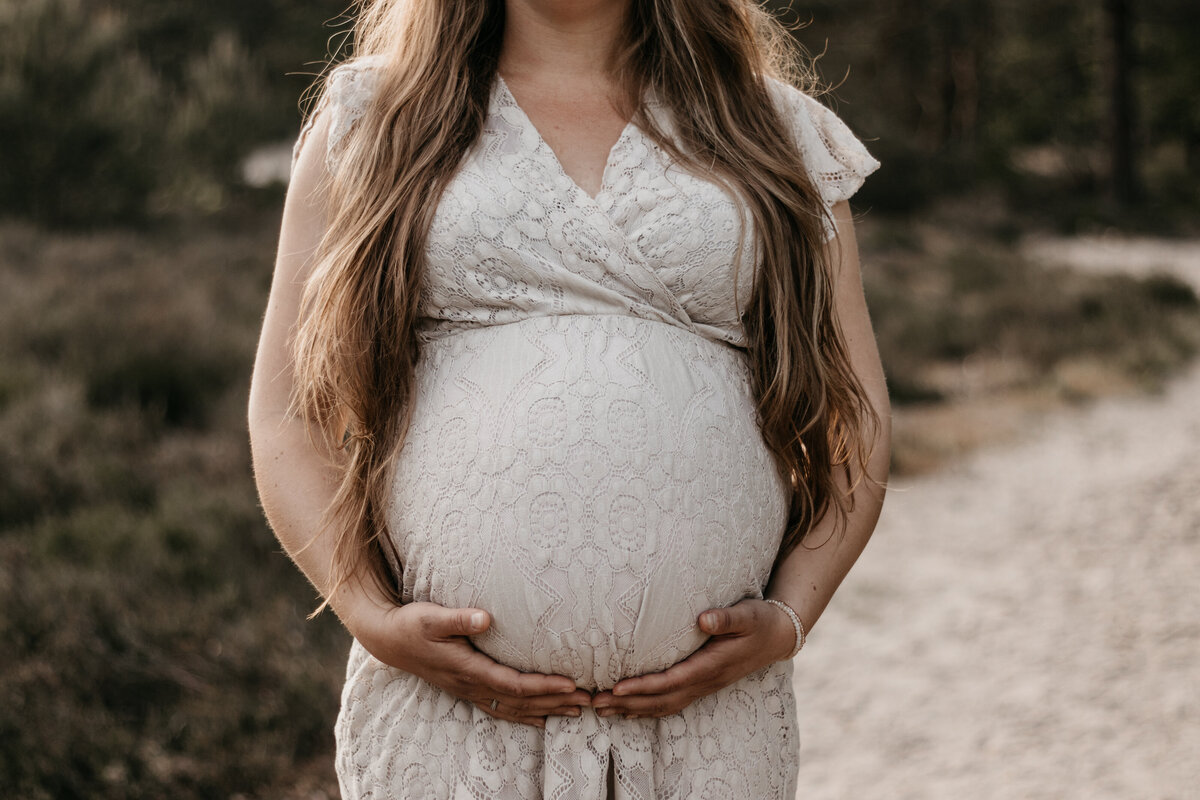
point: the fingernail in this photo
(478, 620)
(601, 704)
(709, 620)
(568, 690)
(605, 712)
(574, 712)
(619, 690)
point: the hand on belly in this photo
(430, 641)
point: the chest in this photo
(515, 234)
(579, 124)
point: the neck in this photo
(565, 38)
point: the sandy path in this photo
(1129, 254)
(1025, 624)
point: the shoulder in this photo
(835, 158)
(350, 87)
(351, 84)
(804, 114)
(345, 95)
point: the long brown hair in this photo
(709, 61)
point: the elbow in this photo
(259, 421)
(266, 419)
(882, 466)
(883, 424)
(879, 454)
(267, 408)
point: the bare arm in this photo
(752, 634)
(296, 483)
(808, 577)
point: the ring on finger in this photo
(495, 702)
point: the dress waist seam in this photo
(428, 337)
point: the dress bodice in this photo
(514, 237)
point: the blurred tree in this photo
(1123, 177)
(76, 114)
(288, 41)
(112, 110)
(1168, 44)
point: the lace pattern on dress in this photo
(835, 159)
(349, 88)
(584, 461)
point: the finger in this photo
(519, 711)
(507, 714)
(443, 623)
(566, 711)
(737, 618)
(699, 667)
(545, 704)
(658, 705)
(497, 679)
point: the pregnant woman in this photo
(567, 401)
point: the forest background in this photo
(153, 640)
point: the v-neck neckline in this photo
(613, 151)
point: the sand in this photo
(1025, 623)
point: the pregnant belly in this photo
(594, 482)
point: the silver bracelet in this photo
(796, 623)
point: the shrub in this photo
(983, 303)
(74, 108)
(153, 634)
(95, 134)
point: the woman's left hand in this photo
(746, 637)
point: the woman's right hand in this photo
(430, 641)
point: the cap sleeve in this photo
(348, 91)
(835, 159)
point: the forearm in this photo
(295, 486)
(296, 481)
(807, 578)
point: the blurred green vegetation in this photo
(973, 300)
(1019, 96)
(131, 110)
(127, 111)
(153, 636)
(155, 642)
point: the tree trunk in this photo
(1124, 184)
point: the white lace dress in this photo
(584, 463)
